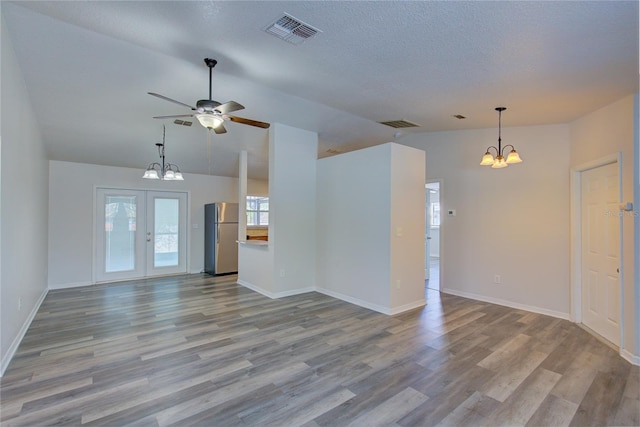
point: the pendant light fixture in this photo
(163, 171)
(499, 161)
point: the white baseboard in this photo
(294, 292)
(70, 285)
(406, 307)
(630, 357)
(23, 330)
(274, 295)
(510, 304)
(371, 306)
(356, 301)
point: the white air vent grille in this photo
(400, 124)
(291, 29)
(182, 122)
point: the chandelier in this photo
(499, 161)
(164, 171)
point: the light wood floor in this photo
(197, 350)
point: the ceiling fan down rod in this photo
(210, 63)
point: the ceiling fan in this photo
(212, 114)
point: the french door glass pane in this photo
(120, 233)
(166, 232)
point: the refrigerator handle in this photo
(218, 235)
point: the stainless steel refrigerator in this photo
(221, 238)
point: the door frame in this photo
(576, 237)
(94, 251)
(442, 201)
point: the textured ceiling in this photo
(89, 65)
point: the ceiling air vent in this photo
(400, 124)
(291, 29)
(182, 122)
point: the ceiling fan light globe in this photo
(209, 120)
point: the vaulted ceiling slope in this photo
(89, 65)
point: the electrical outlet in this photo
(398, 284)
(282, 272)
(497, 279)
(19, 303)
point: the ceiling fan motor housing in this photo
(206, 105)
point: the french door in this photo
(140, 234)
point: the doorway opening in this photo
(432, 235)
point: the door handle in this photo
(428, 238)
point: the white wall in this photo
(513, 222)
(23, 207)
(607, 131)
(71, 211)
(407, 228)
(360, 256)
(293, 157)
(354, 217)
(286, 266)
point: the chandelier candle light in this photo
(165, 171)
(499, 161)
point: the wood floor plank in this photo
(198, 350)
(520, 406)
(472, 412)
(578, 377)
(391, 410)
(512, 375)
(600, 404)
(553, 411)
(629, 411)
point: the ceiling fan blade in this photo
(249, 122)
(173, 117)
(170, 100)
(228, 107)
(220, 129)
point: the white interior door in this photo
(427, 236)
(139, 234)
(120, 243)
(166, 233)
(600, 251)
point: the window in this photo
(257, 210)
(435, 214)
